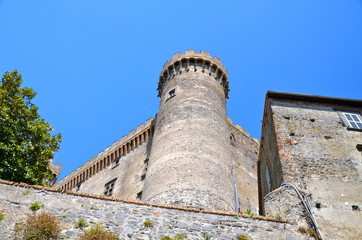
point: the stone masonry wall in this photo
(245, 156)
(318, 154)
(126, 218)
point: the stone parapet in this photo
(193, 61)
(107, 156)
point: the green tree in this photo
(26, 141)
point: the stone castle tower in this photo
(191, 155)
(190, 159)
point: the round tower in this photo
(190, 158)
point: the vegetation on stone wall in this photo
(26, 142)
(41, 226)
(97, 232)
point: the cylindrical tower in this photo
(190, 159)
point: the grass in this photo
(248, 211)
(176, 237)
(35, 206)
(25, 193)
(149, 224)
(43, 226)
(81, 223)
(97, 232)
(1, 216)
(206, 236)
(242, 237)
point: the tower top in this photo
(194, 61)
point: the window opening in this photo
(171, 93)
(139, 196)
(77, 187)
(108, 188)
(353, 120)
(116, 162)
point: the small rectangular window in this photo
(115, 162)
(354, 121)
(171, 93)
(139, 196)
(108, 188)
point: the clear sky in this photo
(95, 64)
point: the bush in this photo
(81, 223)
(35, 206)
(38, 227)
(97, 232)
(149, 224)
(1, 216)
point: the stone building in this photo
(190, 155)
(312, 144)
(307, 167)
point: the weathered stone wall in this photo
(190, 160)
(125, 162)
(127, 219)
(317, 153)
(245, 156)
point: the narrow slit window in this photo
(354, 121)
(108, 188)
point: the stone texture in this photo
(306, 142)
(127, 220)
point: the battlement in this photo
(196, 62)
(107, 156)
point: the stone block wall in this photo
(126, 218)
(306, 143)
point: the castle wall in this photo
(126, 219)
(244, 152)
(124, 165)
(190, 160)
(319, 155)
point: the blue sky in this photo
(95, 64)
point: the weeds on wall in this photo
(1, 216)
(176, 237)
(81, 223)
(96, 232)
(242, 237)
(25, 193)
(149, 224)
(248, 211)
(206, 236)
(35, 206)
(41, 226)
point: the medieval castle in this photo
(307, 167)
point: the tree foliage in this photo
(26, 141)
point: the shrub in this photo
(38, 227)
(242, 237)
(1, 216)
(149, 224)
(25, 192)
(97, 232)
(302, 229)
(35, 206)
(313, 233)
(81, 223)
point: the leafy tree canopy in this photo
(26, 142)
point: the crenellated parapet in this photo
(105, 158)
(200, 62)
